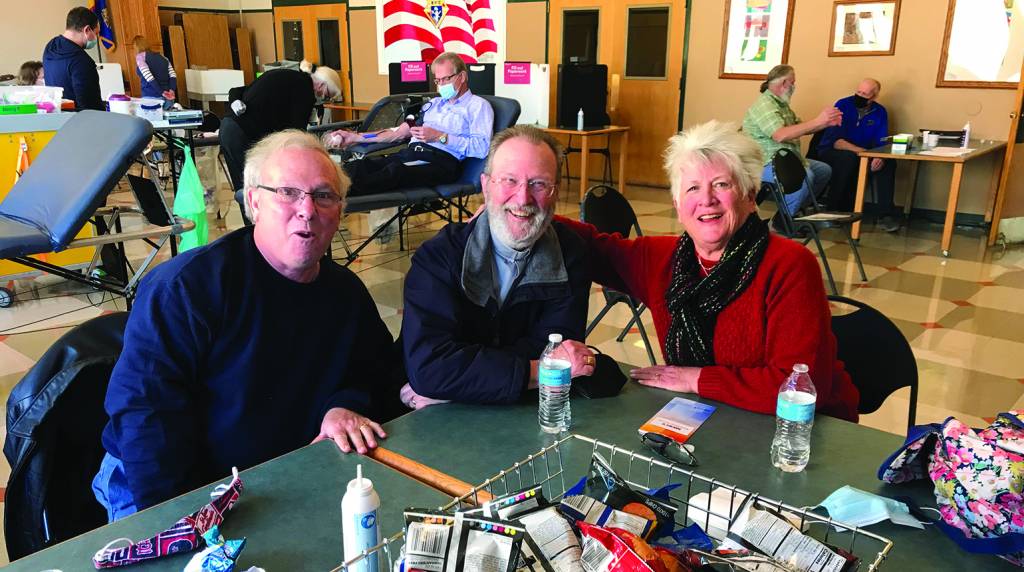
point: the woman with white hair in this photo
(277, 100)
(735, 307)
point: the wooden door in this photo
(1010, 192)
(310, 16)
(648, 104)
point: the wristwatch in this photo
(443, 139)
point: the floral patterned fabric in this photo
(978, 474)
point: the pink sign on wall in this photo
(517, 73)
(414, 71)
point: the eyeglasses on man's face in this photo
(323, 198)
(537, 187)
(668, 448)
(445, 79)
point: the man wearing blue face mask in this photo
(66, 63)
(456, 125)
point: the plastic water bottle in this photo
(794, 417)
(359, 526)
(579, 120)
(555, 379)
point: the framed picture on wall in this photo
(983, 45)
(755, 37)
(864, 28)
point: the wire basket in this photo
(560, 465)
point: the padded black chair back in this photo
(609, 211)
(391, 110)
(506, 113)
(812, 149)
(55, 417)
(877, 355)
(72, 176)
(789, 171)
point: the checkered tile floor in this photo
(961, 314)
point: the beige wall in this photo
(908, 79)
(525, 33)
(30, 25)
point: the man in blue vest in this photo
(865, 124)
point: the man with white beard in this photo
(482, 297)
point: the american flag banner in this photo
(419, 30)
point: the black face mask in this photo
(860, 102)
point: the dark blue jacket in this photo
(65, 64)
(459, 345)
(866, 132)
(158, 75)
(228, 363)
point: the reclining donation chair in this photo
(388, 112)
(67, 185)
(420, 199)
(55, 417)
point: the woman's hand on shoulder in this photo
(671, 377)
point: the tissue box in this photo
(901, 142)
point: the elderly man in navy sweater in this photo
(865, 124)
(249, 347)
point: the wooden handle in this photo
(443, 482)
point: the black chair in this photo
(812, 153)
(603, 151)
(876, 354)
(789, 177)
(55, 417)
(388, 112)
(432, 199)
(609, 211)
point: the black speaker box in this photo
(583, 86)
(397, 86)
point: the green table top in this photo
(290, 511)
(473, 443)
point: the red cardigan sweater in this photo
(782, 318)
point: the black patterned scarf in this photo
(694, 302)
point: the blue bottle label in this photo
(365, 528)
(798, 409)
(551, 377)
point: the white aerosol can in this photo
(360, 529)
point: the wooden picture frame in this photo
(881, 18)
(947, 76)
(754, 44)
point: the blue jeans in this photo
(110, 486)
(818, 175)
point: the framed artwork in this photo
(983, 45)
(755, 37)
(864, 28)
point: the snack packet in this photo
(592, 511)
(480, 544)
(606, 551)
(555, 539)
(427, 537)
(509, 506)
(762, 529)
(605, 485)
(219, 554)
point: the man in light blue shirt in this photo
(456, 125)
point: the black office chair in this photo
(609, 211)
(812, 153)
(55, 417)
(876, 354)
(789, 177)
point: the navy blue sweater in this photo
(155, 74)
(228, 363)
(460, 350)
(65, 64)
(866, 132)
